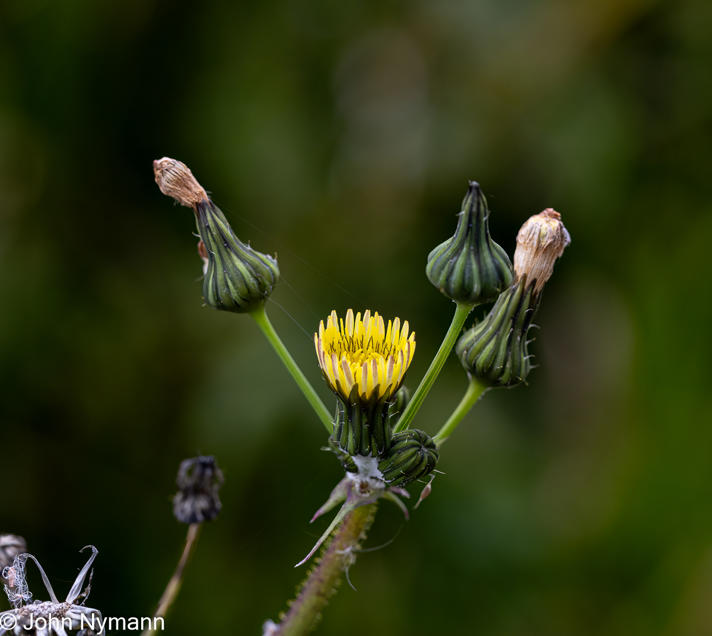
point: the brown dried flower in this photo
(540, 241)
(176, 180)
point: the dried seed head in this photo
(10, 546)
(199, 480)
(176, 180)
(53, 617)
(540, 241)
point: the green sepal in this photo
(238, 278)
(470, 267)
(495, 351)
(363, 428)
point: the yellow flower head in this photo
(364, 353)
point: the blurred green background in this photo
(341, 136)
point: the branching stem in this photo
(473, 393)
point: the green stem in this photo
(473, 393)
(263, 322)
(175, 582)
(322, 582)
(458, 320)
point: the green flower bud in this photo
(470, 267)
(412, 455)
(400, 401)
(236, 277)
(495, 350)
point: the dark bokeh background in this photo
(341, 136)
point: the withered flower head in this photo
(197, 500)
(540, 241)
(176, 180)
(53, 617)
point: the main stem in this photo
(473, 393)
(458, 320)
(305, 611)
(175, 582)
(263, 322)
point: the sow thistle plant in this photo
(364, 358)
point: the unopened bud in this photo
(199, 480)
(540, 241)
(470, 267)
(236, 277)
(412, 455)
(400, 401)
(495, 350)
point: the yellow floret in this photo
(364, 353)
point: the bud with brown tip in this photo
(495, 351)
(236, 277)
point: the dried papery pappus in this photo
(540, 241)
(197, 500)
(52, 617)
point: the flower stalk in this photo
(176, 581)
(263, 322)
(474, 392)
(462, 310)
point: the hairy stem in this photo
(473, 393)
(462, 310)
(322, 582)
(263, 322)
(175, 582)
